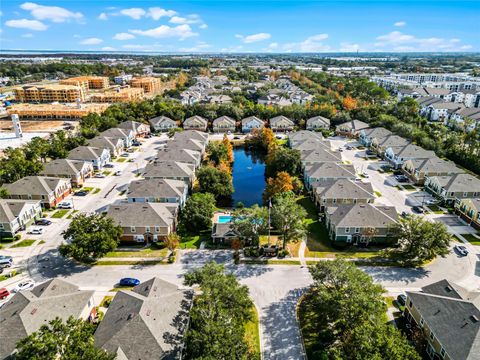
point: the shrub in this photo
(18, 237)
(282, 253)
(171, 259)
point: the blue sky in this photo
(241, 26)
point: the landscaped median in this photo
(141, 257)
(252, 336)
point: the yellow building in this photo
(119, 95)
(49, 93)
(54, 111)
(149, 84)
(87, 82)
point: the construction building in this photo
(149, 84)
(87, 82)
(49, 93)
(118, 95)
(55, 111)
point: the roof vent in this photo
(448, 288)
(148, 312)
(33, 311)
(54, 287)
(130, 316)
(474, 318)
(147, 287)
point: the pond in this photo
(248, 177)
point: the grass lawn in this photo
(146, 253)
(317, 237)
(106, 299)
(72, 214)
(308, 319)
(106, 172)
(378, 193)
(194, 241)
(435, 209)
(118, 288)
(472, 239)
(96, 191)
(59, 213)
(293, 248)
(252, 336)
(7, 239)
(24, 243)
(409, 187)
(271, 262)
(130, 262)
(85, 188)
(41, 242)
(263, 239)
(344, 254)
(121, 160)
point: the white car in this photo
(24, 285)
(65, 205)
(100, 176)
(36, 231)
(365, 174)
(118, 173)
(462, 250)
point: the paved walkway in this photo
(301, 253)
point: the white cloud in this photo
(27, 35)
(102, 16)
(134, 13)
(203, 26)
(34, 25)
(164, 31)
(108, 48)
(91, 41)
(232, 49)
(189, 19)
(54, 13)
(400, 23)
(123, 36)
(199, 47)
(311, 44)
(398, 41)
(156, 13)
(349, 47)
(254, 37)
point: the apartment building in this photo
(87, 82)
(118, 95)
(149, 84)
(55, 111)
(49, 93)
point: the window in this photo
(157, 229)
(357, 230)
(432, 335)
(147, 229)
(442, 352)
(347, 230)
(410, 303)
(132, 229)
(422, 321)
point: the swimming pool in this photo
(223, 219)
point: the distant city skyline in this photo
(241, 26)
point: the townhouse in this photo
(48, 190)
(16, 215)
(439, 111)
(367, 137)
(178, 154)
(299, 136)
(360, 224)
(139, 129)
(312, 144)
(158, 190)
(147, 322)
(144, 222)
(281, 123)
(224, 124)
(342, 191)
(114, 145)
(448, 316)
(396, 156)
(321, 155)
(75, 170)
(178, 144)
(98, 157)
(418, 169)
(351, 128)
(317, 123)
(469, 211)
(195, 123)
(453, 188)
(162, 123)
(126, 135)
(250, 123)
(27, 311)
(380, 145)
(170, 170)
(326, 172)
(200, 136)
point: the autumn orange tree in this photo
(349, 103)
(228, 145)
(281, 183)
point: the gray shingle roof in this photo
(180, 155)
(355, 125)
(185, 143)
(281, 120)
(378, 133)
(87, 153)
(330, 170)
(156, 188)
(168, 169)
(299, 136)
(161, 120)
(195, 121)
(63, 167)
(143, 214)
(362, 215)
(146, 323)
(10, 209)
(224, 120)
(414, 151)
(453, 316)
(320, 154)
(191, 134)
(26, 311)
(252, 118)
(312, 144)
(318, 119)
(393, 141)
(436, 165)
(34, 185)
(345, 189)
(459, 183)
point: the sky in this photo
(285, 26)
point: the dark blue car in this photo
(129, 282)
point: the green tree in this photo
(198, 212)
(172, 241)
(251, 222)
(288, 216)
(283, 159)
(3, 193)
(419, 240)
(218, 316)
(217, 152)
(71, 340)
(215, 181)
(90, 237)
(15, 165)
(37, 148)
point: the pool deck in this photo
(216, 216)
